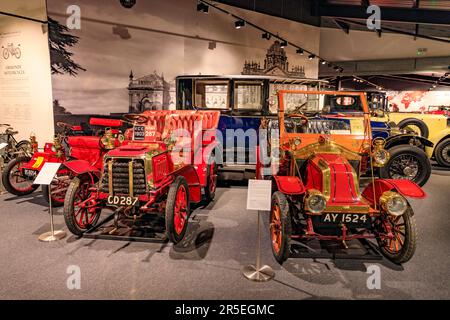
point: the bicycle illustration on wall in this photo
(11, 50)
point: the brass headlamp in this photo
(380, 156)
(108, 139)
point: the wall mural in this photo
(417, 101)
(126, 60)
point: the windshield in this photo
(314, 104)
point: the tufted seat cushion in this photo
(84, 148)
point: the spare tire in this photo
(424, 132)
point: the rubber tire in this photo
(170, 210)
(410, 242)
(209, 196)
(424, 132)
(22, 143)
(55, 203)
(68, 209)
(438, 153)
(412, 150)
(5, 178)
(286, 226)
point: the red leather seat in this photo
(85, 148)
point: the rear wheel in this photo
(177, 209)
(442, 153)
(401, 246)
(14, 181)
(211, 177)
(280, 227)
(407, 162)
(58, 188)
(80, 215)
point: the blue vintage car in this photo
(243, 101)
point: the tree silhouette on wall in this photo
(60, 41)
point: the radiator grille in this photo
(121, 177)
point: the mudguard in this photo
(405, 187)
(289, 185)
(404, 138)
(81, 166)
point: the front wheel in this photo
(442, 153)
(407, 162)
(401, 246)
(80, 214)
(280, 227)
(177, 210)
(14, 181)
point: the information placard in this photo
(47, 173)
(259, 195)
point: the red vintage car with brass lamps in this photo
(154, 172)
(315, 165)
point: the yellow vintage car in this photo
(435, 127)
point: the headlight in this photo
(393, 203)
(315, 202)
(380, 157)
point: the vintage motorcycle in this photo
(316, 182)
(13, 148)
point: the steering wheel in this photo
(63, 125)
(135, 118)
(298, 115)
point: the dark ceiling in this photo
(421, 18)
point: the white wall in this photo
(25, 81)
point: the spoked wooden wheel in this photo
(280, 227)
(400, 247)
(80, 214)
(177, 210)
(14, 181)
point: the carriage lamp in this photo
(33, 142)
(56, 147)
(379, 154)
(108, 139)
(315, 201)
(393, 203)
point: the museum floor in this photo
(207, 266)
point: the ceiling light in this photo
(239, 24)
(284, 44)
(311, 56)
(266, 35)
(300, 51)
(323, 62)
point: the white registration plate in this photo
(347, 218)
(30, 173)
(122, 200)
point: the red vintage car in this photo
(315, 166)
(155, 171)
(68, 145)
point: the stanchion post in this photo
(45, 177)
(257, 272)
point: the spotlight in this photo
(323, 61)
(300, 51)
(311, 56)
(284, 44)
(201, 7)
(212, 45)
(266, 36)
(239, 24)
